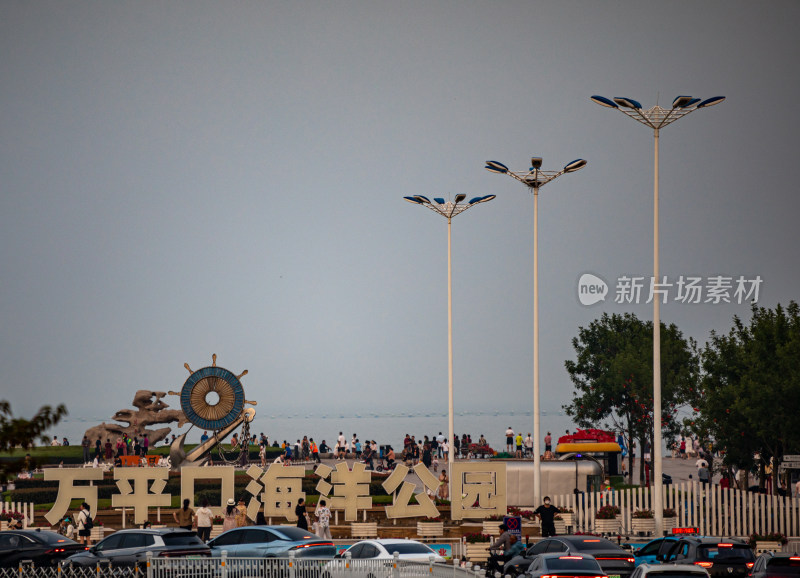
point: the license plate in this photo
(614, 576)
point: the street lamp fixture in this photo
(657, 118)
(534, 179)
(449, 209)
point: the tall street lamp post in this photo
(657, 118)
(449, 210)
(534, 178)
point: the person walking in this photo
(529, 446)
(444, 482)
(85, 445)
(300, 512)
(184, 517)
(85, 524)
(241, 513)
(323, 520)
(229, 518)
(204, 519)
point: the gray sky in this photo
(186, 178)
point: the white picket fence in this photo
(25, 508)
(714, 510)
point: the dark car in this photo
(42, 547)
(271, 541)
(719, 556)
(776, 565)
(565, 566)
(615, 562)
(130, 547)
(648, 554)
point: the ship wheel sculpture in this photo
(212, 398)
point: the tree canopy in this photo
(749, 398)
(21, 434)
(613, 376)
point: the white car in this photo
(669, 571)
(374, 558)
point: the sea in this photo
(384, 428)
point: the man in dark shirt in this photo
(547, 514)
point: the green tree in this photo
(613, 378)
(19, 434)
(750, 395)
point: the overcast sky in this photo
(185, 178)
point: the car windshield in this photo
(594, 544)
(720, 553)
(573, 563)
(297, 534)
(182, 539)
(411, 548)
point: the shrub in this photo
(608, 512)
(477, 537)
(771, 537)
(643, 514)
(669, 513)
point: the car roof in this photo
(549, 555)
(708, 540)
(389, 541)
(672, 568)
(158, 531)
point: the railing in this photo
(293, 567)
(714, 510)
(24, 508)
(229, 567)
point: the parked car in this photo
(776, 565)
(615, 562)
(42, 547)
(726, 557)
(271, 542)
(371, 558)
(669, 571)
(559, 565)
(130, 547)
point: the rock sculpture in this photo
(151, 410)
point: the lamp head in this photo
(536, 163)
(495, 167)
(681, 101)
(460, 197)
(603, 101)
(711, 101)
(627, 102)
(575, 165)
